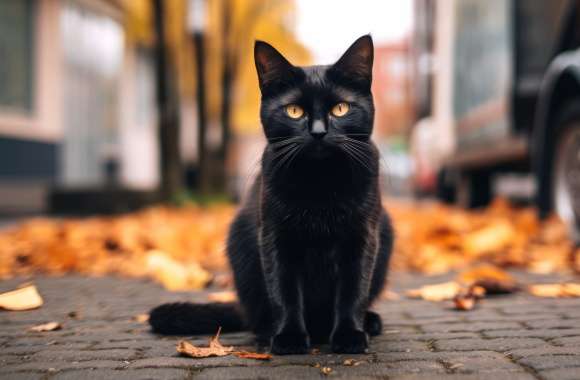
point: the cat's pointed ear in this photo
(357, 62)
(272, 67)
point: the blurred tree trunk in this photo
(228, 73)
(204, 179)
(167, 105)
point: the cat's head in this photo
(318, 110)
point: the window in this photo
(17, 54)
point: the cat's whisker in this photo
(283, 158)
(356, 155)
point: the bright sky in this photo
(328, 27)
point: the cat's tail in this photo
(191, 319)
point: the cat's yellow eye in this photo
(294, 111)
(340, 109)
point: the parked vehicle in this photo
(504, 84)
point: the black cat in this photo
(310, 247)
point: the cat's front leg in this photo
(356, 260)
(281, 269)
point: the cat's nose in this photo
(318, 129)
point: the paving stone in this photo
(382, 370)
(440, 355)
(56, 365)
(470, 327)
(398, 346)
(571, 341)
(481, 365)
(482, 376)
(561, 374)
(135, 374)
(181, 362)
(551, 362)
(505, 337)
(540, 351)
(554, 324)
(425, 336)
(541, 333)
(114, 354)
(279, 373)
(496, 344)
(23, 376)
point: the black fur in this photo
(310, 247)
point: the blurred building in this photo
(392, 89)
(77, 100)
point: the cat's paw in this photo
(288, 344)
(349, 341)
(373, 323)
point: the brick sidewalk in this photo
(512, 337)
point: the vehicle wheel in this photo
(474, 189)
(446, 186)
(566, 173)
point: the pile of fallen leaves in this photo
(179, 247)
(434, 239)
(183, 248)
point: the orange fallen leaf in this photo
(493, 279)
(215, 348)
(175, 275)
(141, 318)
(24, 298)
(50, 326)
(351, 363)
(326, 370)
(555, 290)
(252, 355)
(437, 292)
(467, 299)
(223, 297)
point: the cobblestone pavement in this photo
(510, 337)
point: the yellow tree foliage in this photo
(269, 20)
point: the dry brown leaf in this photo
(50, 326)
(252, 355)
(215, 348)
(493, 279)
(326, 370)
(24, 298)
(175, 275)
(467, 299)
(351, 363)
(555, 290)
(437, 292)
(141, 318)
(464, 303)
(222, 297)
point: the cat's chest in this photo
(319, 221)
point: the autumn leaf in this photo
(437, 292)
(351, 363)
(141, 318)
(222, 297)
(215, 348)
(555, 290)
(326, 371)
(50, 326)
(175, 275)
(493, 279)
(24, 298)
(252, 355)
(467, 299)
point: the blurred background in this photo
(109, 106)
